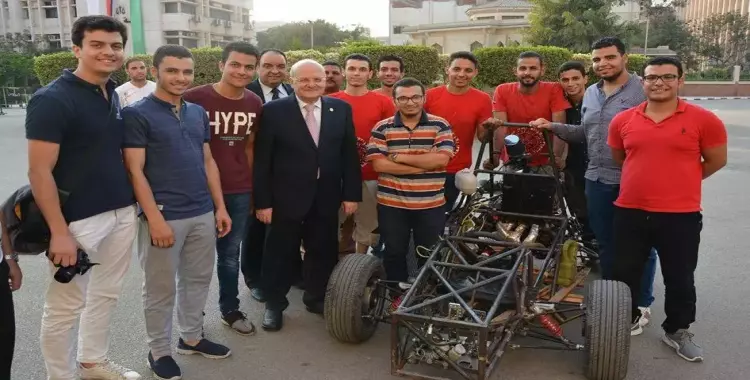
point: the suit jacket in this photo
(254, 86)
(287, 160)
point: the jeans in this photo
(601, 199)
(396, 227)
(677, 237)
(228, 252)
(451, 192)
(108, 239)
(7, 323)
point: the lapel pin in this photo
(330, 109)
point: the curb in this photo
(716, 97)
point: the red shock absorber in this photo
(551, 325)
(395, 304)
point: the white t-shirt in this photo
(130, 94)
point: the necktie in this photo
(275, 93)
(312, 123)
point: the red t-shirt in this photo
(464, 113)
(522, 108)
(367, 111)
(231, 122)
(662, 171)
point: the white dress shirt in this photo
(268, 91)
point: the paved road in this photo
(303, 350)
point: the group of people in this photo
(273, 179)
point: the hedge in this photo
(497, 64)
(421, 62)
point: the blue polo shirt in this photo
(88, 128)
(175, 166)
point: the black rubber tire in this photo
(343, 303)
(607, 330)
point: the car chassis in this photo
(478, 290)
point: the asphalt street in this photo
(304, 350)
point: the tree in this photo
(297, 36)
(664, 28)
(576, 24)
(723, 39)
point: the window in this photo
(188, 8)
(173, 41)
(189, 43)
(171, 8)
(50, 12)
(518, 17)
(485, 18)
(221, 15)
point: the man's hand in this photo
(349, 207)
(63, 250)
(541, 124)
(162, 235)
(15, 277)
(490, 163)
(264, 215)
(223, 222)
(489, 126)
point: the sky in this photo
(372, 14)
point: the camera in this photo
(83, 264)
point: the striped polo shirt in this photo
(411, 191)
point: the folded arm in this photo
(427, 161)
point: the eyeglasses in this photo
(665, 78)
(404, 100)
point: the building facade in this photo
(151, 23)
(454, 25)
(698, 10)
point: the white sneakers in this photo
(637, 327)
(107, 370)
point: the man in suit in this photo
(306, 169)
(271, 75)
(272, 71)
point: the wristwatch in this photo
(12, 256)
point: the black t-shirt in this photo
(577, 159)
(89, 129)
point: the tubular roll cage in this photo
(493, 336)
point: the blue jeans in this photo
(228, 251)
(600, 199)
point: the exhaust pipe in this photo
(515, 236)
(533, 234)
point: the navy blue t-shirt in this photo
(175, 166)
(75, 114)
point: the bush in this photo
(497, 64)
(421, 62)
(332, 56)
(294, 56)
(50, 66)
(206, 65)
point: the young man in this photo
(390, 71)
(11, 278)
(466, 109)
(368, 108)
(233, 113)
(411, 198)
(573, 79)
(334, 77)
(616, 91)
(666, 147)
(177, 185)
(75, 134)
(138, 87)
(525, 101)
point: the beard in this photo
(528, 84)
(610, 78)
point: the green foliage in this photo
(50, 66)
(206, 65)
(15, 68)
(296, 35)
(421, 62)
(332, 56)
(636, 63)
(497, 64)
(294, 56)
(576, 24)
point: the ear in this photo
(76, 51)
(154, 71)
(221, 66)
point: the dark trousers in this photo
(676, 236)
(282, 255)
(7, 323)
(575, 194)
(396, 227)
(253, 250)
(451, 192)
